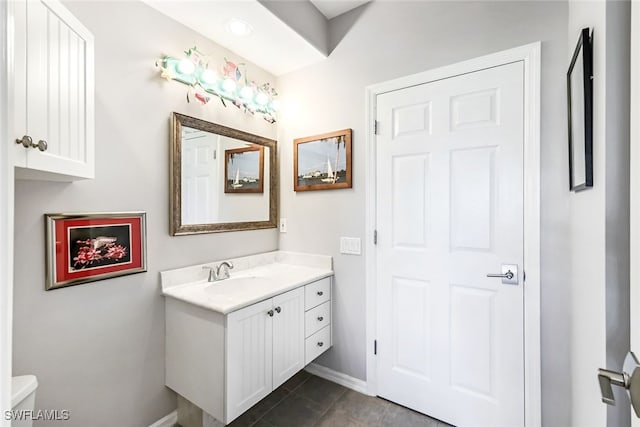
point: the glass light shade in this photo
(186, 66)
(209, 76)
(275, 105)
(228, 85)
(246, 92)
(262, 99)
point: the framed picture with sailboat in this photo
(322, 162)
(244, 170)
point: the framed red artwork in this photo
(86, 247)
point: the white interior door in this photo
(199, 177)
(450, 210)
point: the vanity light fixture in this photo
(229, 84)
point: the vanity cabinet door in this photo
(53, 92)
(249, 357)
(288, 335)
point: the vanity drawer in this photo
(317, 318)
(316, 344)
(317, 292)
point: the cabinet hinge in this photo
(375, 347)
(375, 127)
(375, 237)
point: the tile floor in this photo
(307, 400)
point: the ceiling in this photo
(272, 45)
(332, 8)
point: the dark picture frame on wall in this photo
(86, 247)
(580, 109)
(322, 162)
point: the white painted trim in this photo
(6, 213)
(530, 55)
(169, 421)
(337, 377)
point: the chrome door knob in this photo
(278, 310)
(509, 274)
(270, 313)
(320, 318)
(629, 379)
(320, 293)
(320, 344)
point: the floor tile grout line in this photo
(286, 396)
(329, 407)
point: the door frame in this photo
(634, 156)
(530, 56)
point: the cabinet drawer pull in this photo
(320, 344)
(41, 145)
(278, 310)
(26, 141)
(320, 293)
(270, 313)
(320, 318)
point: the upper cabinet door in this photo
(53, 92)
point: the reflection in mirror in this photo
(223, 179)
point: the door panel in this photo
(249, 357)
(288, 335)
(449, 211)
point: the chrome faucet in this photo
(228, 265)
(219, 272)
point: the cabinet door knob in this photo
(320, 293)
(270, 313)
(26, 141)
(278, 310)
(320, 344)
(41, 145)
(320, 318)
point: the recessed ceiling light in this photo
(239, 27)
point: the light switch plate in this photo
(350, 245)
(283, 225)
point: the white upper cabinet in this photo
(53, 98)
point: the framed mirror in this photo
(580, 103)
(222, 179)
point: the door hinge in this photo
(375, 127)
(375, 237)
(375, 347)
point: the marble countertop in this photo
(253, 279)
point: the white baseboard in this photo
(169, 421)
(337, 377)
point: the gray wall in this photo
(617, 263)
(98, 349)
(385, 40)
(599, 218)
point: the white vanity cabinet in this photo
(265, 347)
(53, 92)
(227, 362)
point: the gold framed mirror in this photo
(222, 179)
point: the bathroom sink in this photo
(236, 286)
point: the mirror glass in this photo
(223, 179)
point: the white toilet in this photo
(23, 398)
